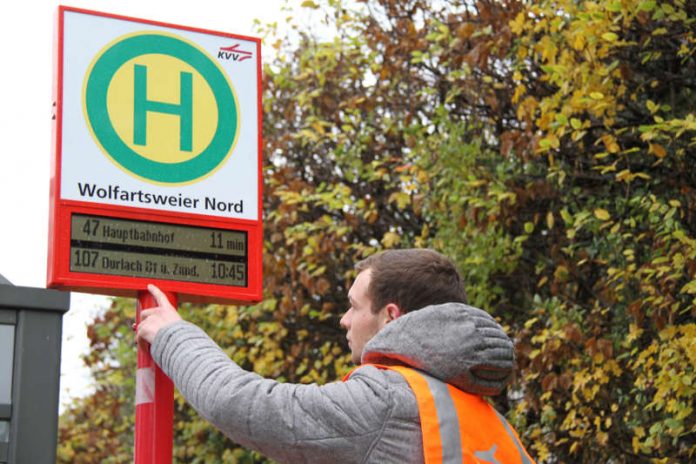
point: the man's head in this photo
(395, 282)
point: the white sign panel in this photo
(159, 117)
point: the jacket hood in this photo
(456, 343)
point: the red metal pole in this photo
(154, 400)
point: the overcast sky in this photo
(26, 74)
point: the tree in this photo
(608, 361)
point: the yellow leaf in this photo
(390, 239)
(402, 199)
(561, 273)
(517, 25)
(596, 95)
(602, 214)
(519, 92)
(602, 438)
(658, 150)
(579, 41)
(690, 287)
(610, 143)
(522, 52)
(625, 175)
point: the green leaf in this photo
(647, 5)
(567, 218)
(615, 7)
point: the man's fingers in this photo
(162, 315)
(145, 313)
(138, 334)
(142, 343)
(158, 295)
(142, 332)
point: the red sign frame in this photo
(60, 276)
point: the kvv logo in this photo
(161, 108)
(234, 53)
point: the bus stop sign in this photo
(157, 166)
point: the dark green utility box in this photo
(31, 321)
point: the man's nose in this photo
(345, 320)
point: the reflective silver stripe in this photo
(447, 419)
(144, 385)
(513, 438)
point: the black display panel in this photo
(129, 248)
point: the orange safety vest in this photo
(459, 427)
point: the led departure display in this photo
(130, 248)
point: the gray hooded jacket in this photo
(371, 418)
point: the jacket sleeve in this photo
(338, 422)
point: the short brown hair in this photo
(412, 279)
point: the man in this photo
(406, 311)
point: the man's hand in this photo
(153, 319)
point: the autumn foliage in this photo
(548, 146)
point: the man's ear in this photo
(392, 312)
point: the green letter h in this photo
(141, 105)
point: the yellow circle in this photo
(163, 85)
